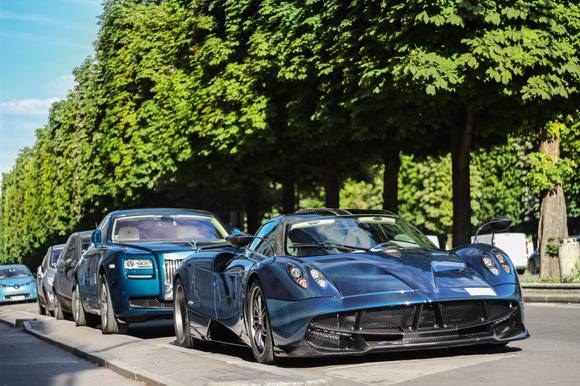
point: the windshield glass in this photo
(337, 234)
(167, 228)
(14, 272)
(54, 257)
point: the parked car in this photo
(514, 244)
(128, 274)
(64, 278)
(534, 263)
(16, 284)
(45, 278)
(331, 282)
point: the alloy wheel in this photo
(104, 304)
(258, 320)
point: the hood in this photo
(17, 280)
(160, 248)
(391, 270)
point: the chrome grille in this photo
(169, 268)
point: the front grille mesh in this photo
(395, 318)
(413, 323)
(169, 269)
(149, 302)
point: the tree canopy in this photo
(246, 107)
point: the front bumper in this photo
(321, 328)
(20, 294)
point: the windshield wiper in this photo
(328, 246)
(385, 244)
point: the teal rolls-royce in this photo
(127, 273)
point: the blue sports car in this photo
(16, 284)
(333, 282)
(127, 274)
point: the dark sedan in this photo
(64, 279)
(45, 279)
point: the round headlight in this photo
(317, 276)
(488, 262)
(295, 272)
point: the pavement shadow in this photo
(245, 354)
(152, 329)
(397, 356)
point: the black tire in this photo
(58, 313)
(78, 310)
(520, 271)
(258, 323)
(532, 267)
(180, 317)
(109, 322)
(42, 310)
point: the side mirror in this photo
(498, 224)
(240, 239)
(96, 238)
(235, 230)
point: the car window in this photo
(85, 243)
(14, 272)
(324, 236)
(55, 254)
(267, 232)
(68, 249)
(166, 228)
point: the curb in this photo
(148, 378)
(118, 367)
(551, 292)
(549, 286)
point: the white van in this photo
(514, 244)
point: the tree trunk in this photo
(392, 163)
(252, 207)
(460, 156)
(553, 225)
(288, 193)
(331, 187)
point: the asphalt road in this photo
(550, 356)
(27, 361)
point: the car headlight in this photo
(138, 264)
(138, 268)
(298, 275)
(502, 261)
(318, 276)
(489, 263)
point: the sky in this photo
(41, 42)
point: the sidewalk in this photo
(155, 363)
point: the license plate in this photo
(19, 297)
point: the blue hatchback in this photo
(16, 284)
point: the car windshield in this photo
(354, 233)
(167, 228)
(14, 272)
(54, 257)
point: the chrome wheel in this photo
(179, 314)
(76, 305)
(258, 320)
(104, 304)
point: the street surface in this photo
(550, 356)
(27, 361)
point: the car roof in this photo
(82, 234)
(166, 211)
(57, 246)
(13, 266)
(311, 213)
